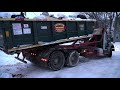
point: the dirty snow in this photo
(101, 67)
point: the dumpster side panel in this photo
(59, 30)
(16, 33)
(1, 35)
(44, 31)
(90, 27)
(71, 29)
(22, 32)
(8, 35)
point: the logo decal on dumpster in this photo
(59, 27)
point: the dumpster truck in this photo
(54, 43)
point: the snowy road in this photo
(87, 68)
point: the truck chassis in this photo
(56, 56)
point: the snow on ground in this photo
(101, 67)
(7, 59)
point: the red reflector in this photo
(44, 59)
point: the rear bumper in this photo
(37, 60)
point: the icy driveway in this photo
(87, 68)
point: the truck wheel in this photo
(56, 60)
(110, 53)
(73, 59)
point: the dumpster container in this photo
(14, 33)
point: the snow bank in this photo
(7, 59)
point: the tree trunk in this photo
(115, 26)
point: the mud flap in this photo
(22, 60)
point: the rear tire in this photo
(56, 60)
(73, 59)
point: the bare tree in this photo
(101, 17)
(115, 24)
(109, 20)
(111, 16)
